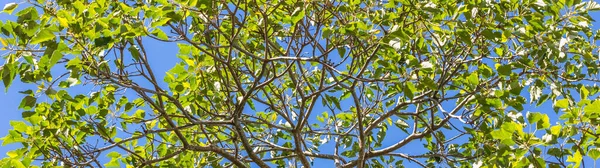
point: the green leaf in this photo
(12, 137)
(43, 35)
(113, 154)
(135, 53)
(541, 120)
(583, 92)
(401, 123)
(179, 88)
(102, 41)
(160, 22)
(396, 43)
(113, 163)
(139, 113)
(57, 54)
(103, 131)
(473, 79)
(555, 130)
(19, 126)
(326, 32)
(512, 127)
(8, 75)
(409, 90)
(160, 34)
(575, 158)
(501, 134)
(16, 163)
(499, 51)
(504, 70)
(563, 103)
(386, 54)
(592, 108)
(12, 154)
(128, 106)
(320, 119)
(341, 51)
(334, 100)
(297, 15)
(72, 81)
(251, 104)
(594, 153)
(9, 7)
(28, 102)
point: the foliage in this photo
(290, 83)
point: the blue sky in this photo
(164, 58)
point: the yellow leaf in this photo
(3, 42)
(576, 158)
(63, 22)
(12, 154)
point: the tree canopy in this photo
(287, 83)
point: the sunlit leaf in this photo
(9, 7)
